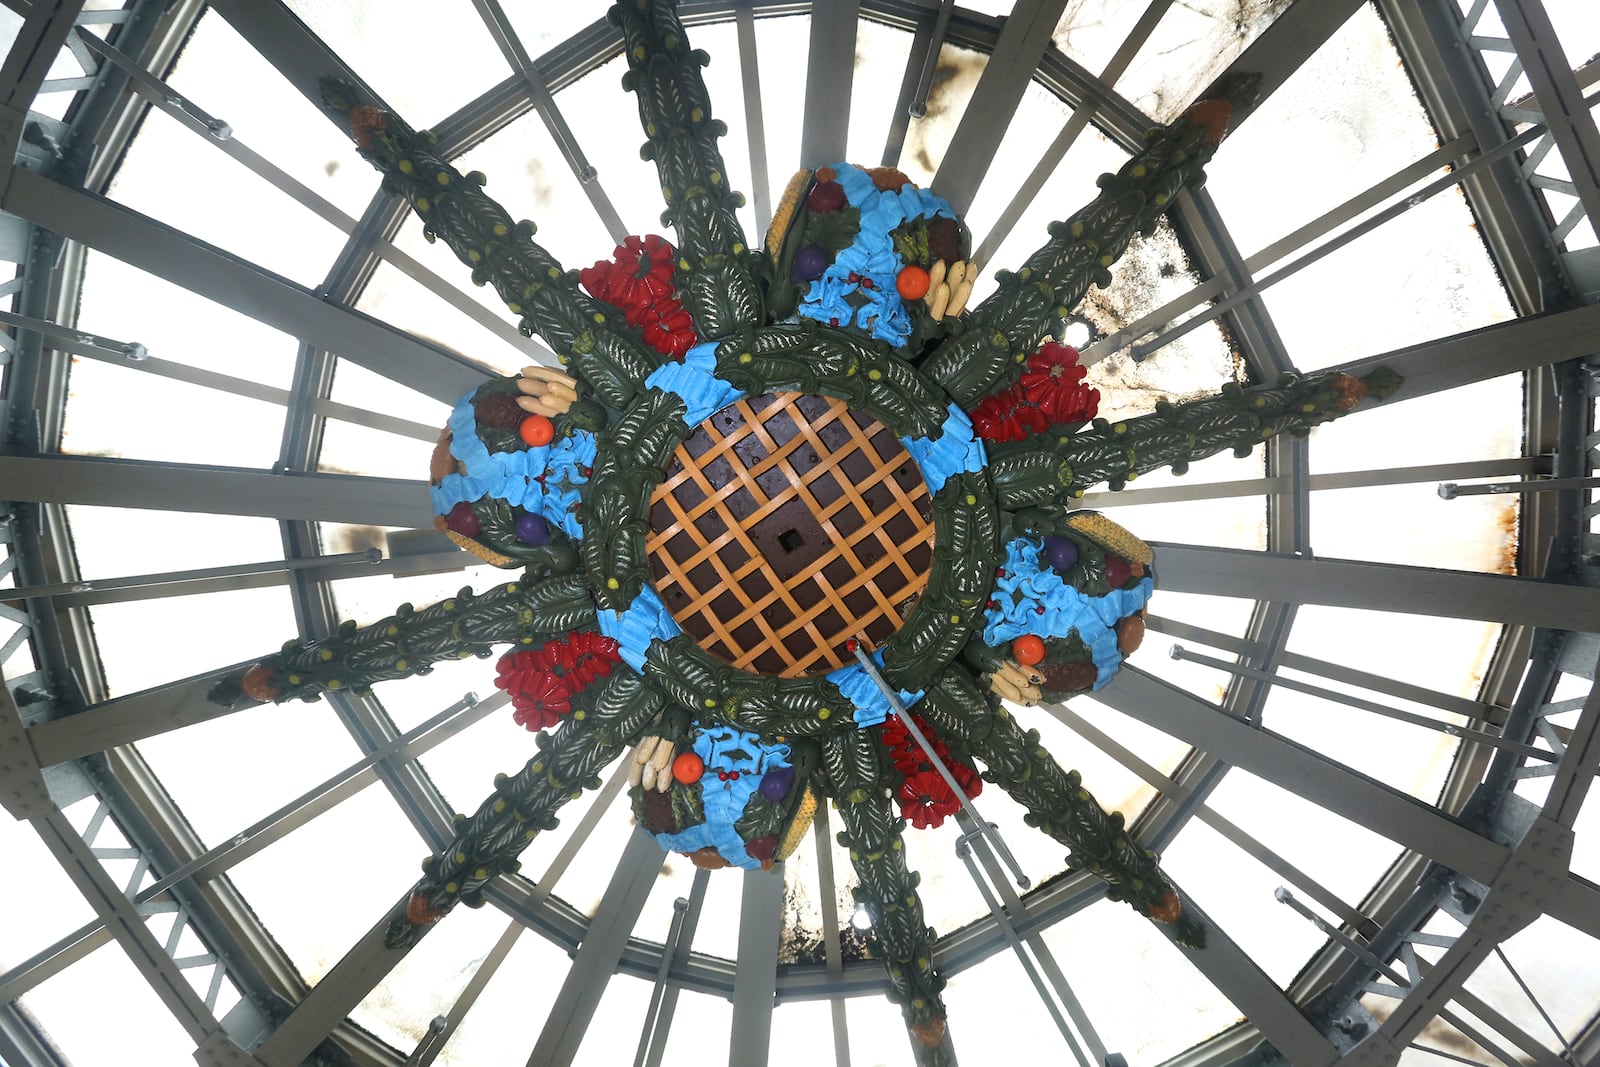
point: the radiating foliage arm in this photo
(592, 335)
(716, 268)
(1041, 470)
(409, 641)
(1006, 327)
(1056, 801)
(887, 888)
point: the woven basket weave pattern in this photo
(787, 524)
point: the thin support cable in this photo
(652, 1013)
(1554, 1029)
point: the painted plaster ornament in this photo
(851, 325)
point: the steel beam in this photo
(1453, 89)
(755, 125)
(1556, 89)
(127, 483)
(574, 1006)
(830, 73)
(756, 982)
(335, 997)
(1382, 809)
(236, 283)
(39, 40)
(1258, 998)
(1376, 586)
(127, 926)
(1022, 44)
(131, 718)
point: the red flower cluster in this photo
(638, 280)
(1049, 393)
(925, 797)
(542, 682)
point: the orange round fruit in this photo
(912, 283)
(688, 768)
(537, 430)
(1027, 650)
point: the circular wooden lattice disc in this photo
(786, 525)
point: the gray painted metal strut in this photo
(1386, 811)
(574, 1006)
(755, 983)
(141, 241)
(127, 483)
(1377, 586)
(830, 74)
(1022, 44)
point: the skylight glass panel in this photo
(355, 861)
(222, 73)
(144, 644)
(1568, 998)
(135, 1018)
(810, 1017)
(613, 149)
(128, 304)
(465, 766)
(724, 78)
(426, 983)
(927, 138)
(1192, 44)
(994, 1006)
(349, 448)
(1577, 28)
(877, 1034)
(357, 386)
(407, 305)
(1471, 533)
(167, 163)
(55, 907)
(1236, 892)
(626, 997)
(1089, 720)
(1147, 1000)
(542, 27)
(395, 46)
(783, 47)
(291, 750)
(1091, 31)
(881, 56)
(521, 989)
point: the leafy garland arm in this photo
(1176, 435)
(605, 719)
(716, 279)
(409, 641)
(854, 768)
(589, 335)
(1008, 325)
(1056, 801)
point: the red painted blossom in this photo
(543, 681)
(638, 281)
(1049, 393)
(925, 797)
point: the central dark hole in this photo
(791, 540)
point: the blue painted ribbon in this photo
(870, 705)
(644, 620)
(953, 451)
(696, 382)
(1030, 584)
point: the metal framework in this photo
(1482, 854)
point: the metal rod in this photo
(1450, 490)
(984, 827)
(1465, 733)
(1498, 951)
(964, 850)
(370, 555)
(680, 908)
(941, 23)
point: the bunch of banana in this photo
(949, 288)
(652, 764)
(546, 391)
(1016, 683)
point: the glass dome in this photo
(227, 355)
